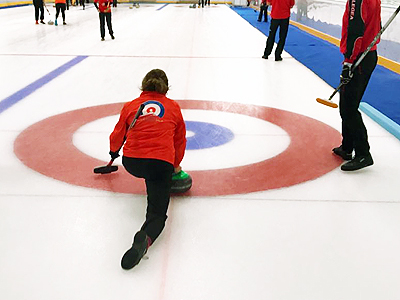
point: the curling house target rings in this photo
(47, 148)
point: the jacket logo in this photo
(153, 108)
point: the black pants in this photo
(39, 8)
(105, 17)
(158, 178)
(263, 11)
(283, 25)
(60, 7)
(354, 133)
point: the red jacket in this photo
(280, 8)
(104, 5)
(361, 23)
(159, 133)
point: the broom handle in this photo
(44, 3)
(130, 127)
(136, 116)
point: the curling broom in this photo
(50, 21)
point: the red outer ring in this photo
(47, 148)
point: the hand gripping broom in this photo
(329, 102)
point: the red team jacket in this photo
(159, 133)
(104, 5)
(361, 23)
(280, 8)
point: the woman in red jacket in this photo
(153, 150)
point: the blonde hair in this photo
(155, 81)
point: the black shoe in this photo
(139, 248)
(64, 23)
(102, 39)
(265, 56)
(41, 21)
(278, 58)
(343, 154)
(358, 163)
(259, 20)
(112, 37)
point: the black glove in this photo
(114, 155)
(346, 75)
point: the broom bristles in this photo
(327, 103)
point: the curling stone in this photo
(181, 182)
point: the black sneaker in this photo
(278, 58)
(102, 39)
(139, 248)
(41, 21)
(343, 154)
(112, 37)
(265, 56)
(358, 163)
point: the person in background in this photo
(263, 11)
(38, 4)
(360, 25)
(60, 6)
(104, 9)
(280, 15)
(153, 149)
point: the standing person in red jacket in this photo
(60, 6)
(263, 11)
(104, 9)
(280, 15)
(153, 150)
(361, 24)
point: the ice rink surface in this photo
(334, 236)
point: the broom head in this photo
(105, 169)
(327, 102)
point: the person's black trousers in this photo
(263, 11)
(60, 7)
(39, 8)
(158, 179)
(283, 25)
(354, 133)
(105, 17)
